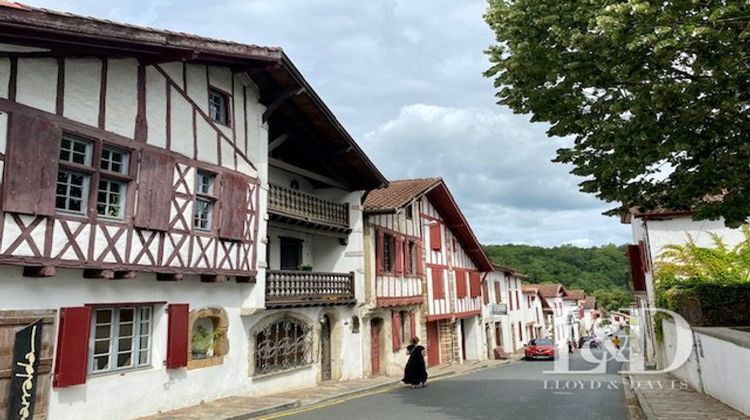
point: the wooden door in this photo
(12, 322)
(325, 351)
(375, 346)
(433, 344)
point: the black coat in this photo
(415, 372)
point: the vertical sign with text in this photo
(26, 350)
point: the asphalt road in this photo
(517, 391)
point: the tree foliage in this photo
(655, 94)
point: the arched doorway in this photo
(376, 325)
(325, 349)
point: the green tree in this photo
(655, 94)
(612, 300)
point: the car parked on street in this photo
(540, 348)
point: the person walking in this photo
(415, 371)
(616, 341)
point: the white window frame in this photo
(202, 196)
(114, 337)
(224, 110)
(125, 164)
(88, 153)
(85, 192)
(123, 198)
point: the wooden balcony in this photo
(297, 207)
(286, 288)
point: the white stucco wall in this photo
(144, 391)
(37, 83)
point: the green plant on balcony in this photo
(306, 267)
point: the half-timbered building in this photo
(148, 178)
(424, 254)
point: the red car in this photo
(540, 348)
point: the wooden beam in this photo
(168, 276)
(170, 57)
(280, 99)
(244, 279)
(43, 271)
(212, 278)
(93, 273)
(277, 142)
(304, 172)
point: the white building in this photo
(572, 306)
(149, 180)
(556, 315)
(652, 231)
(533, 313)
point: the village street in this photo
(516, 391)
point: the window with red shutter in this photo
(637, 272)
(510, 301)
(233, 206)
(419, 259)
(518, 301)
(30, 178)
(485, 293)
(435, 237)
(399, 255)
(438, 291)
(498, 293)
(396, 330)
(379, 267)
(460, 283)
(154, 190)
(474, 284)
(177, 335)
(72, 356)
(413, 324)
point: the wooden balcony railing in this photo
(307, 207)
(300, 288)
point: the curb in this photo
(646, 409)
(267, 410)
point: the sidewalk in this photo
(239, 407)
(677, 402)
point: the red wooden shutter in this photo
(435, 237)
(177, 335)
(438, 291)
(399, 255)
(485, 293)
(233, 206)
(72, 358)
(379, 251)
(637, 274)
(154, 190)
(419, 258)
(498, 293)
(460, 283)
(644, 257)
(413, 324)
(510, 301)
(518, 301)
(475, 284)
(396, 330)
(31, 165)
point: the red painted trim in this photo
(177, 335)
(385, 302)
(453, 315)
(124, 304)
(71, 360)
(431, 218)
(431, 265)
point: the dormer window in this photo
(218, 106)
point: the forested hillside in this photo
(602, 271)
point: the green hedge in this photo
(710, 303)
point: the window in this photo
(409, 212)
(405, 326)
(204, 200)
(218, 106)
(290, 253)
(389, 252)
(75, 176)
(283, 345)
(72, 191)
(121, 338)
(411, 257)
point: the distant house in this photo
(556, 319)
(588, 314)
(424, 277)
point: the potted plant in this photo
(306, 267)
(202, 343)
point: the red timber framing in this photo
(467, 314)
(402, 283)
(155, 235)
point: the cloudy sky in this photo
(405, 78)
